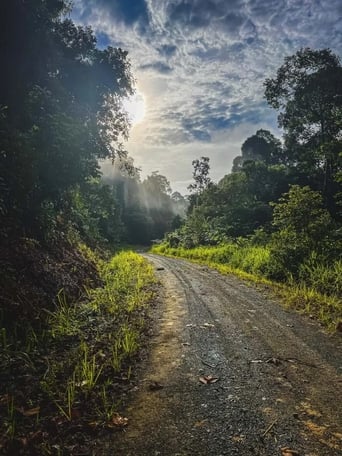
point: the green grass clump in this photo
(326, 309)
(126, 284)
(316, 293)
(72, 363)
(251, 259)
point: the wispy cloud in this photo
(201, 65)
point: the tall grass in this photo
(317, 292)
(251, 259)
(126, 278)
(88, 342)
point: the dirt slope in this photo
(279, 375)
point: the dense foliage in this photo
(60, 114)
(282, 196)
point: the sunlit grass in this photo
(317, 294)
(88, 341)
(125, 278)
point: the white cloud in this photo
(201, 64)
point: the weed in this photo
(73, 370)
(107, 409)
(88, 371)
(129, 341)
(64, 321)
(11, 419)
(67, 407)
(116, 359)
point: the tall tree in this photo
(263, 146)
(201, 182)
(308, 93)
(200, 175)
(60, 98)
(302, 228)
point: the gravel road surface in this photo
(231, 372)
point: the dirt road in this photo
(279, 375)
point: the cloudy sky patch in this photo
(200, 65)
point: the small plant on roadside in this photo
(129, 341)
(64, 320)
(66, 408)
(88, 371)
(10, 422)
(116, 359)
(107, 409)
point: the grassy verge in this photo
(66, 382)
(251, 263)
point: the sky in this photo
(200, 67)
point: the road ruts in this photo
(279, 374)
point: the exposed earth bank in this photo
(232, 372)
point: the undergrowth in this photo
(76, 367)
(317, 292)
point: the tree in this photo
(156, 199)
(265, 183)
(60, 97)
(262, 146)
(201, 182)
(302, 227)
(308, 92)
(200, 175)
(180, 204)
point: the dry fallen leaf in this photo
(200, 423)
(118, 421)
(238, 438)
(286, 451)
(208, 379)
(29, 412)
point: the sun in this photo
(135, 107)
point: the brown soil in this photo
(279, 375)
(32, 275)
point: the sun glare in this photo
(135, 107)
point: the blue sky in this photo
(200, 65)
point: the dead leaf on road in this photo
(238, 438)
(118, 421)
(286, 451)
(208, 379)
(200, 423)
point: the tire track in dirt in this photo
(278, 373)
